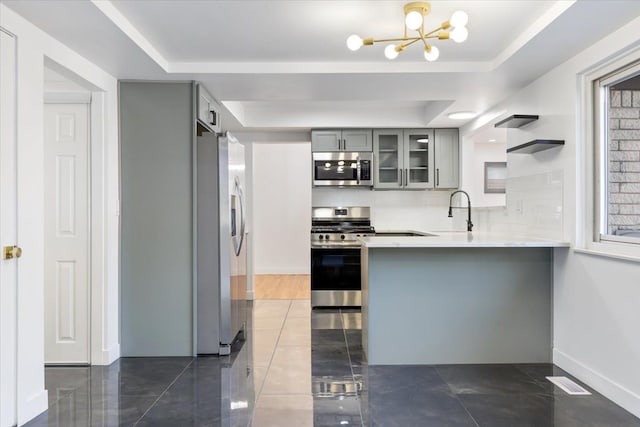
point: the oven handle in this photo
(330, 246)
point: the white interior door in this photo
(66, 141)
(8, 231)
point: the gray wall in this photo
(156, 142)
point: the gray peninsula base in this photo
(457, 305)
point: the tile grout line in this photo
(259, 393)
(457, 398)
(164, 392)
(353, 377)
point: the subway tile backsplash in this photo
(534, 208)
(534, 204)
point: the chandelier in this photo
(414, 14)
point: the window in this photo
(617, 155)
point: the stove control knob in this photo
(342, 236)
(326, 236)
(320, 237)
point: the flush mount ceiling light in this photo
(462, 115)
(414, 14)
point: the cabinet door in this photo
(446, 158)
(388, 159)
(326, 140)
(356, 140)
(208, 110)
(418, 158)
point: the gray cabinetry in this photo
(156, 239)
(402, 159)
(446, 158)
(341, 140)
(388, 148)
(208, 110)
(415, 159)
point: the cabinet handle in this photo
(400, 177)
(438, 177)
(406, 177)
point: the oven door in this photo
(335, 276)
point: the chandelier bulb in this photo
(391, 52)
(354, 42)
(459, 34)
(431, 53)
(413, 20)
(459, 19)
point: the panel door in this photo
(66, 233)
(356, 140)
(446, 158)
(326, 140)
(418, 158)
(388, 159)
(8, 231)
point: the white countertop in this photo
(460, 239)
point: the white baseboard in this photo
(33, 407)
(603, 385)
(108, 356)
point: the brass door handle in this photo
(10, 252)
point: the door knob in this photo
(9, 252)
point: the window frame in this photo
(601, 159)
(590, 152)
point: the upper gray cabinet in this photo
(446, 158)
(341, 140)
(415, 159)
(208, 110)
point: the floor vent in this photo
(568, 385)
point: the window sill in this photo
(608, 254)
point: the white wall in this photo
(596, 314)
(34, 47)
(281, 207)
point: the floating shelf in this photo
(535, 146)
(516, 121)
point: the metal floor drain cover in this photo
(568, 385)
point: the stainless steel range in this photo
(335, 254)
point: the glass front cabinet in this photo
(403, 159)
(406, 158)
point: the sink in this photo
(401, 234)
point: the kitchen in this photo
(593, 314)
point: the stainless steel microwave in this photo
(342, 169)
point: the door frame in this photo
(97, 200)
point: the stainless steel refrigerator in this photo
(221, 242)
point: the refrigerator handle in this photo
(242, 221)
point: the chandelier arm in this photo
(423, 37)
(399, 39)
(434, 31)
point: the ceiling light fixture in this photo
(462, 115)
(414, 14)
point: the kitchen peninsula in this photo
(457, 297)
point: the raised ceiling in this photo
(285, 64)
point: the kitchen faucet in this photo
(469, 223)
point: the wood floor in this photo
(282, 286)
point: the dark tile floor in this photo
(302, 368)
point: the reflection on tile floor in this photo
(300, 368)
